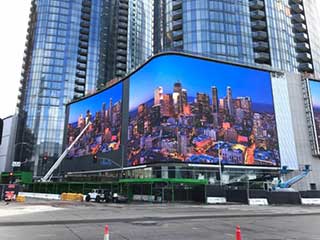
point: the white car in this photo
(98, 195)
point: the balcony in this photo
(177, 35)
(80, 82)
(262, 57)
(121, 52)
(84, 31)
(258, 25)
(81, 74)
(296, 1)
(81, 66)
(82, 59)
(260, 35)
(176, 15)
(85, 24)
(86, 3)
(77, 95)
(176, 5)
(300, 27)
(121, 59)
(256, 4)
(83, 52)
(86, 10)
(122, 32)
(178, 45)
(305, 67)
(122, 39)
(257, 14)
(121, 66)
(123, 19)
(123, 25)
(297, 8)
(84, 38)
(304, 57)
(85, 16)
(122, 45)
(298, 18)
(302, 47)
(177, 25)
(301, 37)
(260, 46)
(120, 73)
(79, 89)
(83, 45)
(123, 6)
(123, 12)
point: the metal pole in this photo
(248, 191)
(220, 170)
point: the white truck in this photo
(99, 195)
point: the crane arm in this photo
(47, 177)
(295, 179)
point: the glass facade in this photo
(67, 56)
(56, 69)
(140, 25)
(312, 9)
(255, 32)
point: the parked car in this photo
(99, 195)
(118, 198)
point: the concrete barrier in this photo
(258, 201)
(146, 198)
(310, 201)
(40, 195)
(215, 200)
(20, 198)
(72, 197)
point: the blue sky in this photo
(315, 92)
(198, 75)
(94, 103)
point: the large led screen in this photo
(104, 111)
(184, 109)
(314, 87)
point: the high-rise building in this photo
(61, 62)
(229, 101)
(282, 34)
(158, 95)
(127, 37)
(215, 104)
(72, 48)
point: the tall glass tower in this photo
(72, 48)
(282, 34)
(61, 63)
(128, 43)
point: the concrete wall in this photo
(7, 146)
(298, 125)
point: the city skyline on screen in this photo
(315, 102)
(199, 75)
(104, 111)
(184, 109)
(93, 103)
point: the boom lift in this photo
(47, 177)
(286, 185)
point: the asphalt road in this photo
(53, 220)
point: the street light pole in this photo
(220, 171)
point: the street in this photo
(69, 221)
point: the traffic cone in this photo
(106, 232)
(238, 233)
